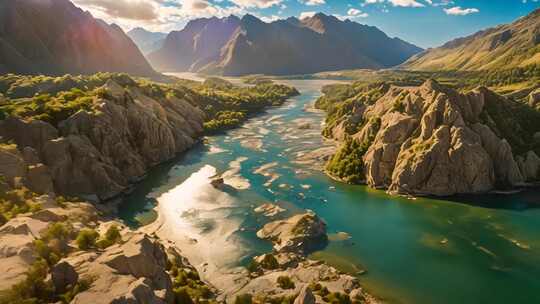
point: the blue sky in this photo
(427, 23)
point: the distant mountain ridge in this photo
(147, 41)
(503, 47)
(55, 37)
(234, 46)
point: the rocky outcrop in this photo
(63, 276)
(300, 233)
(529, 166)
(305, 296)
(431, 140)
(133, 272)
(97, 154)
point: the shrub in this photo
(33, 289)
(269, 262)
(244, 299)
(347, 164)
(337, 298)
(86, 239)
(285, 282)
(112, 236)
(181, 296)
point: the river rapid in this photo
(477, 249)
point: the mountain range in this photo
(506, 46)
(147, 41)
(234, 46)
(55, 37)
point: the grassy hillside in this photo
(503, 47)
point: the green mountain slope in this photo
(503, 47)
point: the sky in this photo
(426, 23)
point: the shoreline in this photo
(230, 281)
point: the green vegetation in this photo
(268, 262)
(244, 299)
(285, 282)
(15, 201)
(52, 246)
(225, 120)
(514, 121)
(87, 238)
(347, 163)
(341, 102)
(187, 285)
(227, 106)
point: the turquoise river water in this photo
(480, 249)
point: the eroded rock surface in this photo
(300, 233)
(432, 140)
(97, 155)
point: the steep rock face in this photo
(233, 46)
(431, 140)
(98, 154)
(196, 45)
(55, 37)
(506, 46)
(133, 272)
(147, 41)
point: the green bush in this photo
(347, 164)
(269, 262)
(244, 299)
(285, 282)
(337, 298)
(33, 289)
(86, 239)
(181, 296)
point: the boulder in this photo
(63, 276)
(529, 166)
(39, 180)
(305, 296)
(12, 165)
(299, 233)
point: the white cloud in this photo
(458, 11)
(256, 3)
(367, 2)
(406, 3)
(313, 2)
(400, 3)
(125, 9)
(160, 15)
(356, 13)
(304, 15)
(440, 2)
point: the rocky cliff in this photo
(55, 37)
(432, 140)
(234, 46)
(67, 252)
(98, 151)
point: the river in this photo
(479, 249)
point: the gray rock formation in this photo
(63, 276)
(133, 272)
(305, 296)
(300, 233)
(96, 155)
(431, 140)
